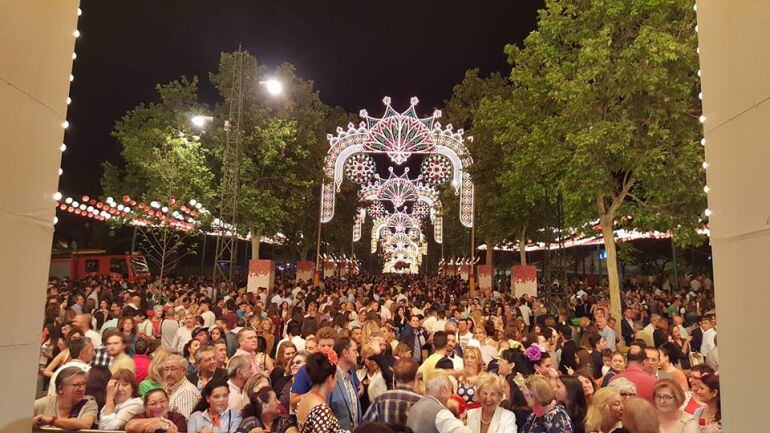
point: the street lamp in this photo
(199, 121)
(273, 86)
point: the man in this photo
(464, 334)
(77, 304)
(144, 323)
(392, 407)
(606, 332)
(343, 400)
(652, 364)
(132, 308)
(204, 310)
(430, 413)
(247, 347)
(182, 395)
(238, 372)
(205, 360)
(430, 322)
(452, 348)
(415, 337)
(709, 334)
(302, 384)
(83, 322)
(168, 328)
(293, 334)
(82, 352)
(230, 338)
(627, 326)
(440, 340)
(220, 353)
(636, 373)
(115, 343)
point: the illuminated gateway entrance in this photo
(403, 203)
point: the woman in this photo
(466, 387)
(490, 417)
(212, 414)
(267, 329)
(311, 343)
(122, 401)
(217, 333)
(370, 378)
(127, 327)
(709, 417)
(263, 359)
(154, 372)
(670, 355)
(156, 415)
(605, 412)
(313, 412)
(515, 401)
(617, 366)
(284, 396)
(569, 392)
(585, 362)
(683, 343)
(589, 386)
(69, 408)
(188, 352)
(668, 397)
(102, 314)
(264, 412)
(639, 416)
(506, 363)
(547, 416)
(280, 374)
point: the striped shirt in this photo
(392, 406)
(183, 396)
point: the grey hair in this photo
(235, 364)
(178, 358)
(436, 382)
(622, 385)
(66, 374)
(199, 353)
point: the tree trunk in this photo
(255, 245)
(523, 248)
(612, 264)
(490, 249)
(303, 254)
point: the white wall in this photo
(735, 64)
(36, 45)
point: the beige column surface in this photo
(36, 45)
(735, 62)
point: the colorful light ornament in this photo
(376, 209)
(436, 170)
(360, 167)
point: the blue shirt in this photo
(302, 383)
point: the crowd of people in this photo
(377, 353)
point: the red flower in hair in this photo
(330, 354)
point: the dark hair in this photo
(151, 392)
(671, 350)
(77, 344)
(186, 349)
(213, 384)
(440, 340)
(576, 403)
(261, 344)
(112, 332)
(295, 328)
(142, 346)
(96, 385)
(508, 355)
(711, 380)
(516, 400)
(341, 344)
(593, 340)
(257, 402)
(405, 370)
(568, 352)
(636, 356)
(489, 328)
(319, 368)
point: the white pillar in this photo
(35, 65)
(735, 61)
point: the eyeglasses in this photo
(77, 385)
(664, 398)
(627, 394)
(171, 368)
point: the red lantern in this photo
(77, 211)
(99, 205)
(85, 198)
(126, 198)
(63, 207)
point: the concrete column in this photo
(261, 275)
(35, 65)
(735, 61)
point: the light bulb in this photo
(707, 212)
(700, 96)
(74, 56)
(61, 171)
(63, 147)
(68, 200)
(55, 220)
(705, 165)
(72, 78)
(702, 119)
(65, 124)
(80, 12)
(699, 73)
(703, 141)
(76, 33)
(57, 196)
(706, 188)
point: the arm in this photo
(447, 423)
(118, 420)
(57, 361)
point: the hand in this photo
(570, 371)
(112, 388)
(206, 431)
(256, 430)
(41, 420)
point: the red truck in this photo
(84, 263)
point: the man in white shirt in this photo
(709, 335)
(204, 310)
(143, 324)
(83, 322)
(526, 313)
(238, 372)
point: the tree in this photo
(281, 139)
(615, 86)
(462, 112)
(163, 161)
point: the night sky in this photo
(356, 52)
